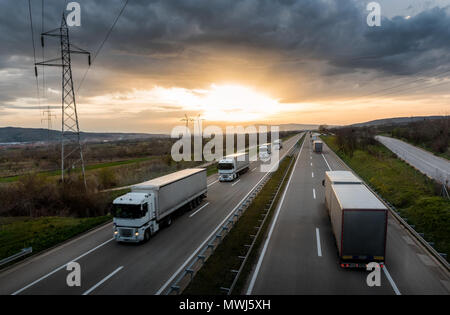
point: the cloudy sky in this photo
(230, 61)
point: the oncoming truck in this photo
(264, 151)
(232, 166)
(359, 223)
(140, 213)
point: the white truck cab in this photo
(231, 166)
(134, 217)
(265, 151)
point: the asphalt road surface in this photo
(299, 255)
(429, 164)
(108, 267)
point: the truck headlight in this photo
(116, 232)
(136, 234)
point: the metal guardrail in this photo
(188, 273)
(11, 258)
(420, 237)
(441, 257)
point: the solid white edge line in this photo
(314, 193)
(199, 210)
(319, 248)
(266, 243)
(61, 267)
(391, 281)
(328, 165)
(236, 182)
(102, 281)
(183, 265)
(212, 183)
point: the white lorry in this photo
(231, 166)
(359, 223)
(278, 144)
(318, 146)
(264, 151)
(139, 214)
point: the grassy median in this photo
(216, 272)
(412, 193)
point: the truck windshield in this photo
(127, 211)
(225, 166)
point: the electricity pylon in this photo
(71, 150)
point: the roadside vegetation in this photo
(41, 233)
(431, 135)
(413, 194)
(216, 272)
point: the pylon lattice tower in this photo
(71, 148)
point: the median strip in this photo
(227, 269)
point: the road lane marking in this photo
(312, 174)
(326, 162)
(104, 279)
(61, 267)
(311, 163)
(183, 265)
(212, 183)
(199, 209)
(236, 182)
(391, 281)
(266, 244)
(319, 248)
(314, 193)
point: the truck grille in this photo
(126, 232)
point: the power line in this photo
(403, 84)
(34, 54)
(103, 42)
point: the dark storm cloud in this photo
(163, 37)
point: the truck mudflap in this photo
(360, 261)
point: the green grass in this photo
(412, 193)
(216, 271)
(10, 179)
(41, 233)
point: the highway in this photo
(426, 162)
(299, 255)
(111, 268)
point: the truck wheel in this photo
(147, 235)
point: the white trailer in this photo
(359, 224)
(138, 215)
(337, 178)
(232, 166)
(318, 146)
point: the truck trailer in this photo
(139, 214)
(232, 166)
(318, 146)
(359, 224)
(337, 178)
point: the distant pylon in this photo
(71, 150)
